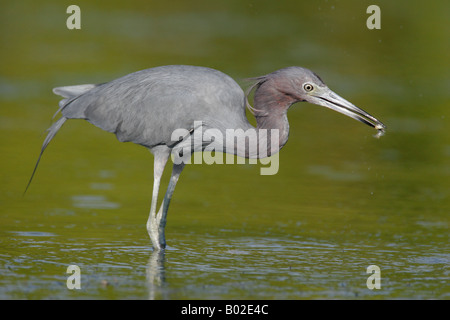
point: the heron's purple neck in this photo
(270, 110)
(272, 130)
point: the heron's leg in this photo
(161, 217)
(161, 157)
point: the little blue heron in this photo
(147, 106)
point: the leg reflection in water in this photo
(156, 276)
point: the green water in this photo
(340, 202)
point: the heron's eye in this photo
(308, 87)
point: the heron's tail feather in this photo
(70, 93)
(51, 133)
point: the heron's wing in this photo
(143, 114)
(146, 107)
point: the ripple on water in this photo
(93, 202)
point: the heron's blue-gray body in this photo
(147, 106)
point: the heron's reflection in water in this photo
(156, 276)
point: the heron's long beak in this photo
(327, 98)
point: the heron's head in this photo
(295, 84)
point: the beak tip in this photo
(381, 130)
